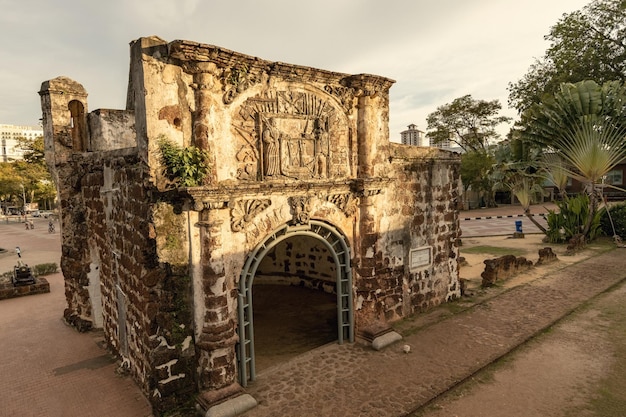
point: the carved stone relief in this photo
(243, 211)
(285, 135)
(347, 203)
(235, 81)
(300, 208)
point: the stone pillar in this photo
(64, 109)
(203, 128)
(365, 138)
(217, 355)
(370, 321)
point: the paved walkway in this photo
(50, 370)
(501, 220)
(354, 380)
(47, 368)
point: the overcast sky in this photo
(435, 50)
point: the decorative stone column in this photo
(204, 81)
(217, 361)
(371, 324)
(366, 140)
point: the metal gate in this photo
(340, 252)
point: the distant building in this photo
(444, 144)
(413, 136)
(9, 151)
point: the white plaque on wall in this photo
(420, 257)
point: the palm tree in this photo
(555, 171)
(591, 149)
(524, 187)
(584, 124)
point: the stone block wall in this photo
(8, 290)
(299, 261)
(145, 300)
(420, 214)
(114, 276)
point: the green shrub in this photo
(618, 215)
(37, 270)
(570, 219)
(45, 269)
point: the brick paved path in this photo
(47, 368)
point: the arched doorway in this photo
(338, 249)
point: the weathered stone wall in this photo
(111, 129)
(502, 268)
(422, 216)
(114, 276)
(287, 145)
(145, 298)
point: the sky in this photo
(435, 50)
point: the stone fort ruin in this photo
(304, 190)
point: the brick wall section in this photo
(421, 211)
(112, 221)
(299, 261)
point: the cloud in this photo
(436, 51)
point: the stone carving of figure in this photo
(271, 160)
(321, 136)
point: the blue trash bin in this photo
(518, 226)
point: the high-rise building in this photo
(444, 144)
(413, 136)
(9, 150)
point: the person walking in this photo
(18, 251)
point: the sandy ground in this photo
(566, 371)
(528, 247)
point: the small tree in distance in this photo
(469, 123)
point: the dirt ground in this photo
(574, 369)
(527, 247)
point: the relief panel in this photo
(290, 135)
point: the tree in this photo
(34, 152)
(584, 124)
(518, 169)
(525, 187)
(467, 122)
(30, 173)
(556, 171)
(475, 174)
(589, 44)
(10, 184)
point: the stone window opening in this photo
(78, 126)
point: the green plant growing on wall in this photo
(187, 167)
(238, 77)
